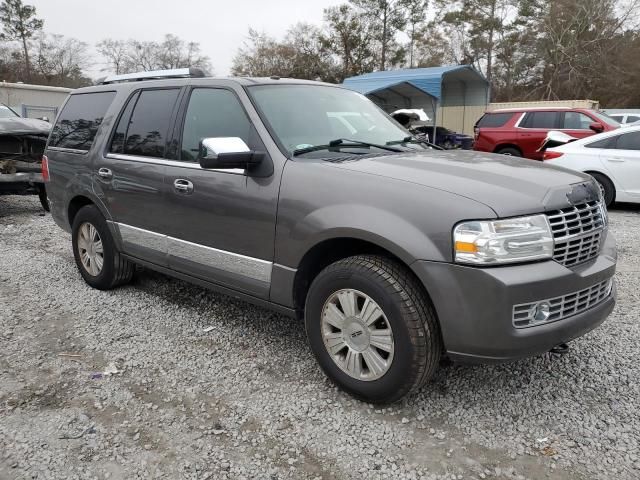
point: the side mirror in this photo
(597, 127)
(227, 153)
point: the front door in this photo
(130, 176)
(222, 225)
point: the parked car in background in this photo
(612, 158)
(415, 121)
(625, 118)
(520, 132)
(22, 142)
(447, 139)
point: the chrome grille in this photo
(577, 232)
(562, 307)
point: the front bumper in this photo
(475, 305)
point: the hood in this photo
(508, 185)
(28, 126)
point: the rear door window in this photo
(78, 123)
(628, 141)
(145, 125)
(494, 120)
(604, 143)
(542, 120)
(633, 118)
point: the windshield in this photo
(606, 119)
(6, 112)
(304, 116)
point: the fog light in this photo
(541, 312)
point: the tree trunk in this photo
(26, 60)
(383, 54)
(490, 45)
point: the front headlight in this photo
(494, 242)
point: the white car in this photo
(613, 158)
(625, 118)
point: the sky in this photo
(220, 27)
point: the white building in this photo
(33, 101)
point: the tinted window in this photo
(540, 120)
(147, 131)
(117, 143)
(80, 119)
(212, 113)
(606, 143)
(617, 118)
(577, 121)
(492, 120)
(632, 118)
(629, 141)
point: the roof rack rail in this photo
(191, 72)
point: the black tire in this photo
(416, 333)
(115, 269)
(44, 199)
(510, 151)
(607, 187)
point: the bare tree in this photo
(115, 53)
(61, 60)
(135, 55)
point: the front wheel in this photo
(372, 328)
(100, 264)
(607, 188)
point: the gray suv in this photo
(308, 199)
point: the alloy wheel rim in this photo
(90, 249)
(357, 335)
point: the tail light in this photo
(45, 168)
(476, 132)
(549, 155)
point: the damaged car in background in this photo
(417, 122)
(22, 142)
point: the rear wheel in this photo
(44, 199)
(606, 187)
(372, 328)
(510, 151)
(98, 261)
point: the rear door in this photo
(129, 175)
(222, 226)
(533, 129)
(622, 159)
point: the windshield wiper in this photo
(342, 142)
(412, 139)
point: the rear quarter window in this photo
(494, 120)
(78, 123)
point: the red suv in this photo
(519, 132)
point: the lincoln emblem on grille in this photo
(584, 192)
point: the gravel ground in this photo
(211, 387)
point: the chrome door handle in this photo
(616, 159)
(181, 185)
(105, 173)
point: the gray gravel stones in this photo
(245, 399)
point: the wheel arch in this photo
(507, 145)
(331, 250)
(81, 199)
(592, 171)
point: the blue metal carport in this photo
(427, 88)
